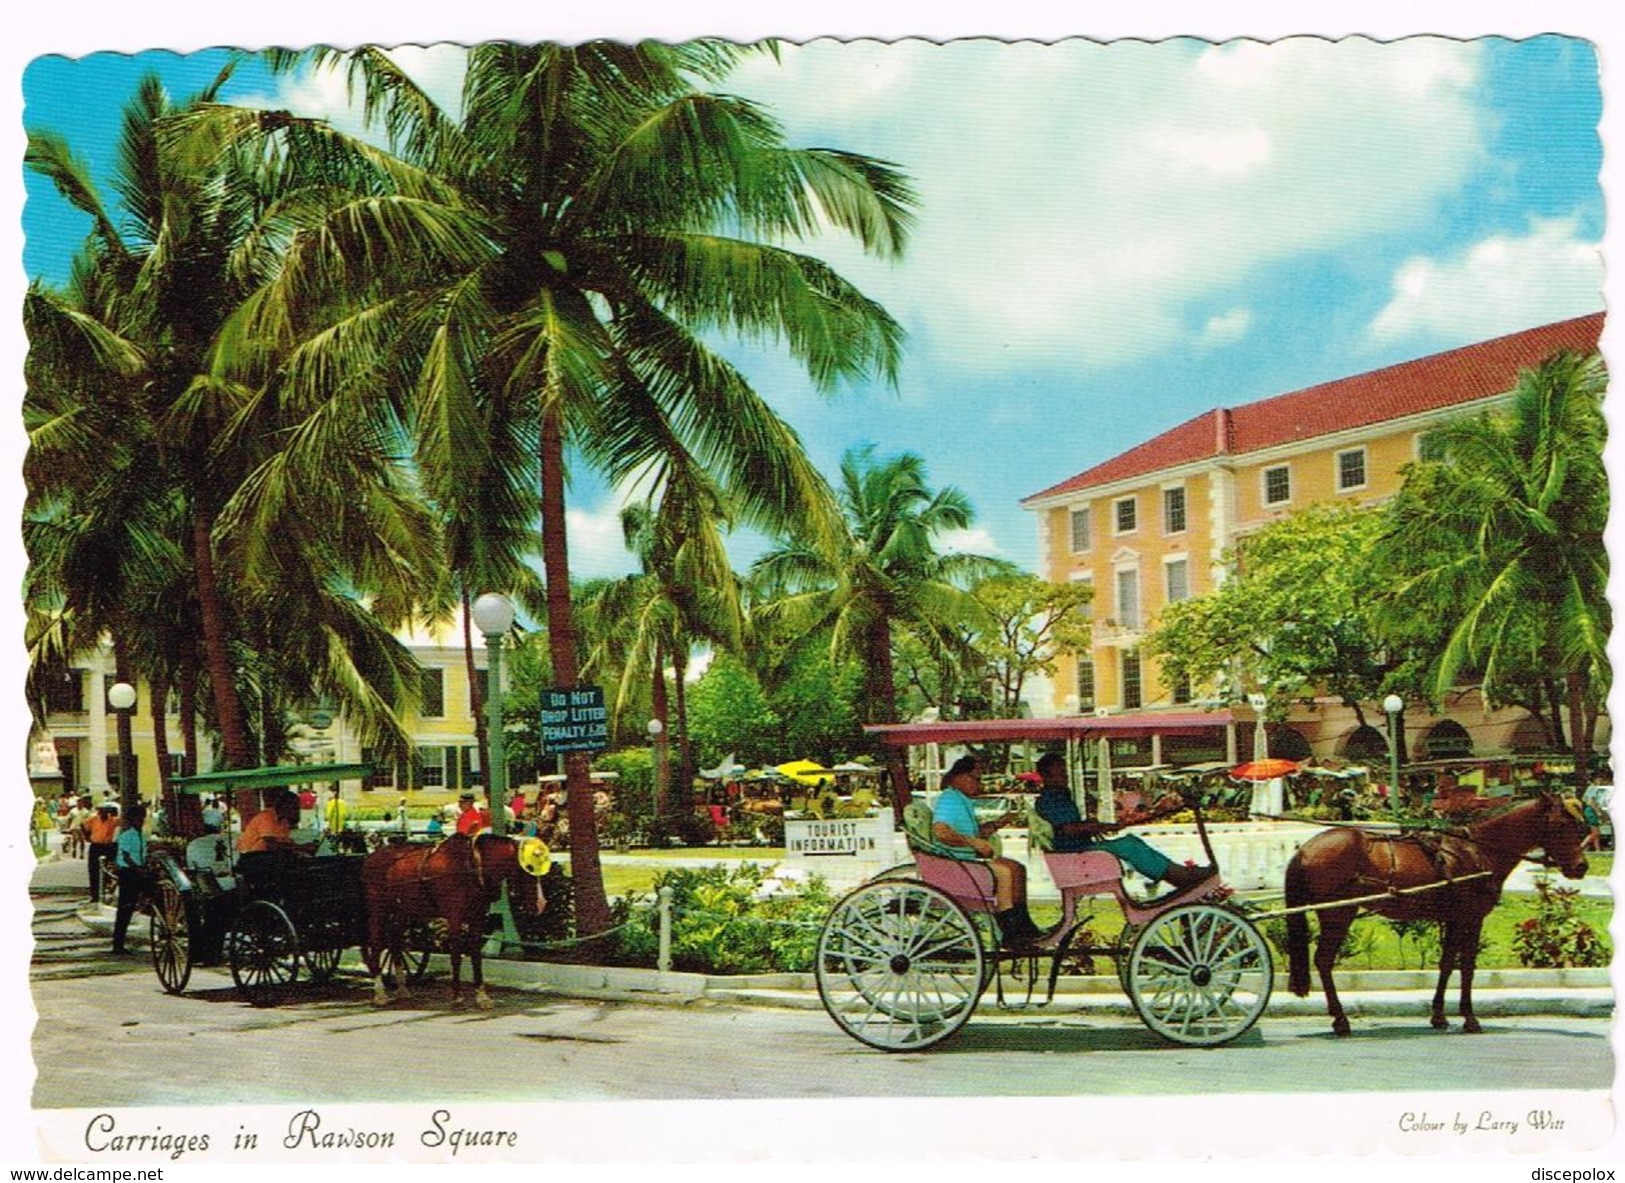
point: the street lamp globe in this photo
(1393, 704)
(493, 614)
(121, 695)
(655, 728)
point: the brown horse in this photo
(455, 881)
(1469, 865)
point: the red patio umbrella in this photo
(1264, 769)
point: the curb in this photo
(1503, 993)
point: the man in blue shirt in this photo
(954, 825)
(130, 862)
(1072, 833)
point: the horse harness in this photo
(1448, 851)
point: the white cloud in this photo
(1226, 328)
(973, 541)
(325, 93)
(1499, 285)
(1078, 199)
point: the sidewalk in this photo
(1496, 992)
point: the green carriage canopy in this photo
(273, 776)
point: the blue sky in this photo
(1112, 237)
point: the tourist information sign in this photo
(574, 719)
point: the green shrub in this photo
(718, 924)
(1555, 936)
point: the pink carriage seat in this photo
(1076, 873)
(968, 882)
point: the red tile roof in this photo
(1430, 383)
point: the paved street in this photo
(208, 1047)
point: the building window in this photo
(1132, 697)
(469, 768)
(1125, 512)
(431, 763)
(115, 769)
(1173, 511)
(1182, 688)
(1277, 485)
(434, 695)
(1086, 682)
(177, 764)
(1080, 531)
(64, 691)
(1351, 470)
(1177, 575)
(383, 775)
(1128, 598)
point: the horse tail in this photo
(1297, 928)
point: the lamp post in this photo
(657, 754)
(1261, 738)
(493, 616)
(1391, 706)
(121, 697)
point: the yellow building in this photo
(1150, 525)
(82, 727)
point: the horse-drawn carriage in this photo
(268, 918)
(273, 917)
(904, 959)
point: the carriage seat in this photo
(1078, 873)
(968, 882)
(212, 852)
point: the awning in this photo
(272, 777)
(968, 731)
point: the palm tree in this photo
(1501, 539)
(685, 593)
(886, 574)
(569, 241)
(206, 222)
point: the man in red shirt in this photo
(101, 833)
(471, 819)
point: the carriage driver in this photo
(954, 825)
(269, 829)
(1072, 833)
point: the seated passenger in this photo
(269, 829)
(1072, 833)
(954, 825)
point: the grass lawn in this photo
(1375, 944)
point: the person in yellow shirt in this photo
(336, 816)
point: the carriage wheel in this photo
(264, 951)
(171, 938)
(900, 965)
(322, 964)
(1199, 974)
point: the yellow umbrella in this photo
(807, 772)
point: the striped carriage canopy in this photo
(975, 731)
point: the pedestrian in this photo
(130, 864)
(471, 819)
(101, 835)
(337, 814)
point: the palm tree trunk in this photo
(680, 788)
(228, 711)
(660, 708)
(188, 689)
(882, 695)
(1577, 732)
(586, 873)
(476, 692)
(173, 803)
